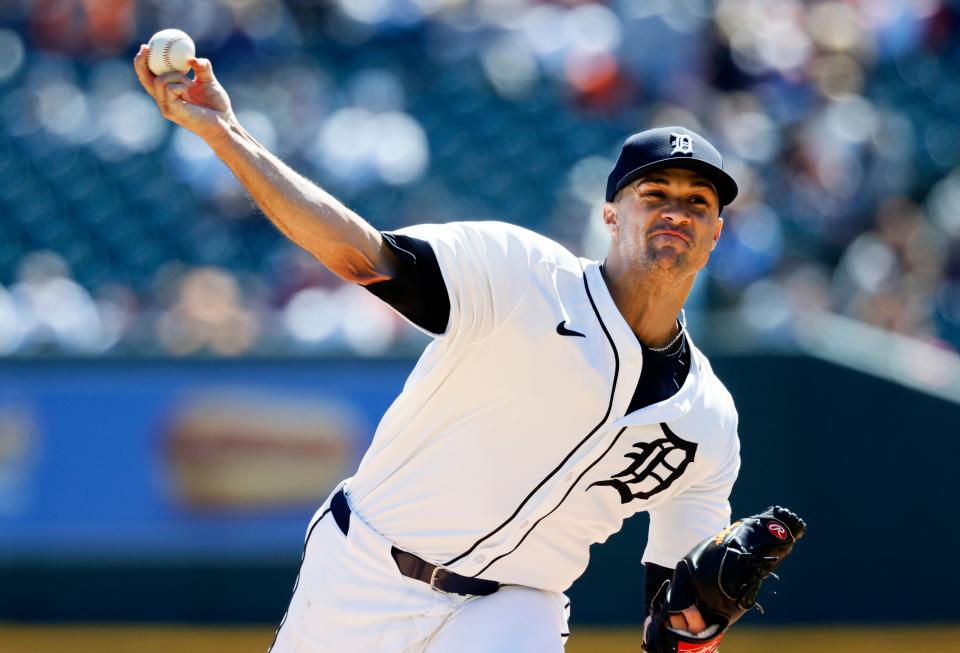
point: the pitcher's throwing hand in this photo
(199, 104)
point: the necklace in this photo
(683, 325)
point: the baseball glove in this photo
(722, 577)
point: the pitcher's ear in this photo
(716, 234)
(610, 217)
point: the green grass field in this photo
(155, 639)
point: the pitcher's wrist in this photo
(226, 130)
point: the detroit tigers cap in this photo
(670, 147)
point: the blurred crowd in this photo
(122, 234)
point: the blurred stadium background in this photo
(179, 386)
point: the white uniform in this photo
(508, 453)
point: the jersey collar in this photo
(627, 345)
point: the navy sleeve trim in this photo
(654, 578)
(417, 290)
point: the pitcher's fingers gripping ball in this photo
(170, 51)
(722, 577)
(199, 104)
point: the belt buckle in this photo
(433, 579)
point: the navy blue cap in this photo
(670, 147)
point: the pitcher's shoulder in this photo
(496, 240)
(716, 398)
(541, 247)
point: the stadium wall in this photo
(178, 491)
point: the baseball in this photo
(169, 51)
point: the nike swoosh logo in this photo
(564, 331)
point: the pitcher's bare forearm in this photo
(305, 213)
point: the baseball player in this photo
(559, 396)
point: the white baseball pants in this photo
(351, 598)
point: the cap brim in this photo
(726, 187)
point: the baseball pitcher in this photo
(558, 397)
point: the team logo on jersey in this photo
(681, 143)
(654, 466)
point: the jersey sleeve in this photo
(703, 510)
(417, 290)
(654, 576)
(486, 268)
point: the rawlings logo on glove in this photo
(722, 577)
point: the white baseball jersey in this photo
(510, 450)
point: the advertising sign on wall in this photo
(188, 460)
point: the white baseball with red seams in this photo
(170, 49)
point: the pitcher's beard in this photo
(668, 258)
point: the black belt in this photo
(416, 567)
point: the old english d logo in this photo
(681, 144)
(653, 467)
